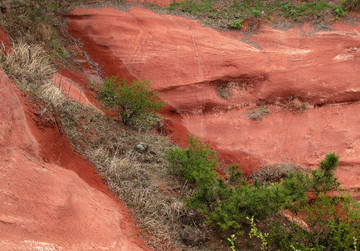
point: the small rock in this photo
(142, 147)
(192, 236)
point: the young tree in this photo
(133, 101)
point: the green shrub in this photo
(237, 24)
(256, 12)
(247, 201)
(339, 11)
(323, 178)
(133, 101)
(333, 224)
(333, 221)
(196, 164)
(229, 203)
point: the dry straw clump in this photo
(276, 172)
(28, 65)
(141, 181)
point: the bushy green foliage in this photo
(339, 11)
(229, 203)
(323, 178)
(256, 12)
(237, 24)
(196, 164)
(133, 101)
(333, 224)
(247, 201)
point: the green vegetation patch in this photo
(228, 203)
(230, 14)
(133, 101)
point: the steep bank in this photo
(189, 63)
(51, 197)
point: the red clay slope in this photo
(52, 199)
(188, 62)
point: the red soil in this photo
(162, 3)
(51, 198)
(188, 62)
(72, 90)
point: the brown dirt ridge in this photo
(52, 198)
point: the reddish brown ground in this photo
(188, 62)
(162, 3)
(51, 198)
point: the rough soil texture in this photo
(51, 198)
(162, 3)
(281, 69)
(72, 90)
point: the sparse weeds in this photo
(255, 232)
(36, 22)
(224, 92)
(277, 172)
(232, 13)
(258, 113)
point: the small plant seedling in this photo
(223, 92)
(256, 12)
(255, 232)
(237, 24)
(232, 240)
(339, 11)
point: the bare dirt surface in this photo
(51, 198)
(308, 80)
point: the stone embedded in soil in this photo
(188, 63)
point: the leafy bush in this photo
(256, 12)
(196, 164)
(237, 24)
(339, 11)
(133, 101)
(333, 224)
(323, 178)
(229, 203)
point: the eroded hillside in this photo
(216, 81)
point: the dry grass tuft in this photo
(276, 172)
(28, 65)
(50, 92)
